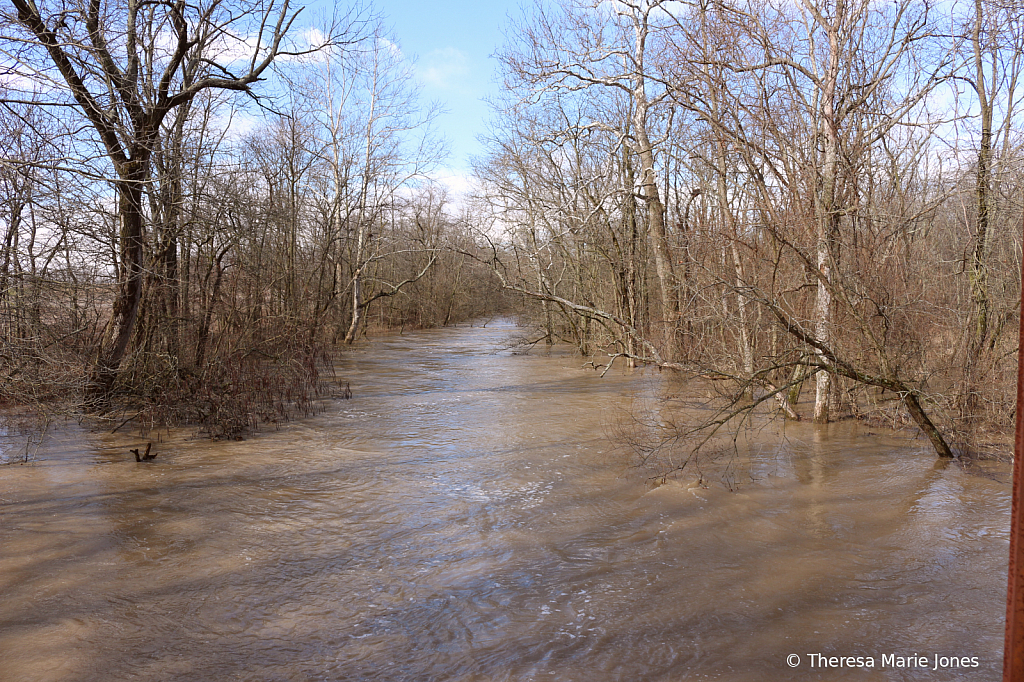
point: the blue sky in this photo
(453, 42)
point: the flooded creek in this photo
(465, 517)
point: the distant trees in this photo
(388, 148)
(792, 171)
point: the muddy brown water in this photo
(465, 517)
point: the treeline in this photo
(179, 252)
(786, 199)
(773, 196)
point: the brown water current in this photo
(465, 517)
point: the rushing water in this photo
(465, 517)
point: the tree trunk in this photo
(357, 308)
(659, 238)
(118, 331)
(827, 217)
(923, 421)
(977, 272)
(203, 336)
(652, 198)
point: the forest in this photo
(810, 205)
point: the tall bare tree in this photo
(993, 38)
(124, 66)
(591, 46)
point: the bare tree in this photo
(580, 46)
(376, 145)
(124, 68)
(993, 64)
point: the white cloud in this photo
(237, 125)
(12, 80)
(392, 47)
(445, 69)
(459, 185)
